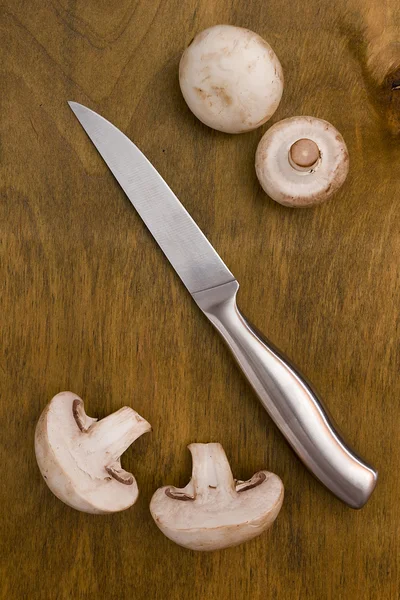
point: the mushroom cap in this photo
(74, 462)
(221, 515)
(299, 185)
(231, 78)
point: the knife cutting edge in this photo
(288, 398)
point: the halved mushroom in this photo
(231, 78)
(214, 511)
(302, 161)
(79, 457)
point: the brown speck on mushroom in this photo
(200, 92)
(221, 93)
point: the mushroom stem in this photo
(304, 154)
(211, 472)
(116, 432)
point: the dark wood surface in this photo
(89, 304)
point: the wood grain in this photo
(89, 304)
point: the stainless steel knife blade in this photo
(184, 244)
(287, 396)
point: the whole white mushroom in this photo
(302, 161)
(231, 78)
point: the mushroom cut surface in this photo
(79, 456)
(214, 510)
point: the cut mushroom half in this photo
(302, 161)
(79, 457)
(214, 511)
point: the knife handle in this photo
(290, 400)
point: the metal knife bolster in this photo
(290, 400)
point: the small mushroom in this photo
(79, 457)
(231, 78)
(214, 511)
(301, 161)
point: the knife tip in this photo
(77, 108)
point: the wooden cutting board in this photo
(89, 304)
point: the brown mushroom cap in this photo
(302, 161)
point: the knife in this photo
(288, 397)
